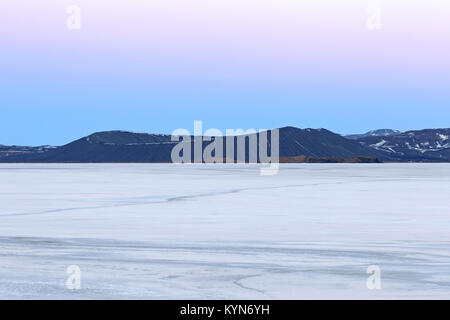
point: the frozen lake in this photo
(142, 231)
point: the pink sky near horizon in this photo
(288, 34)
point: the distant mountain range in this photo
(19, 151)
(420, 145)
(296, 145)
(373, 133)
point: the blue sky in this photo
(157, 66)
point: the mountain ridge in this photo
(313, 144)
(426, 144)
(373, 133)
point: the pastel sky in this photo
(158, 65)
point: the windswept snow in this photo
(379, 144)
(224, 231)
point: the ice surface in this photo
(224, 231)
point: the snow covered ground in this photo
(224, 231)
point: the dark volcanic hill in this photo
(320, 143)
(122, 146)
(112, 146)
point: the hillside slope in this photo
(122, 146)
